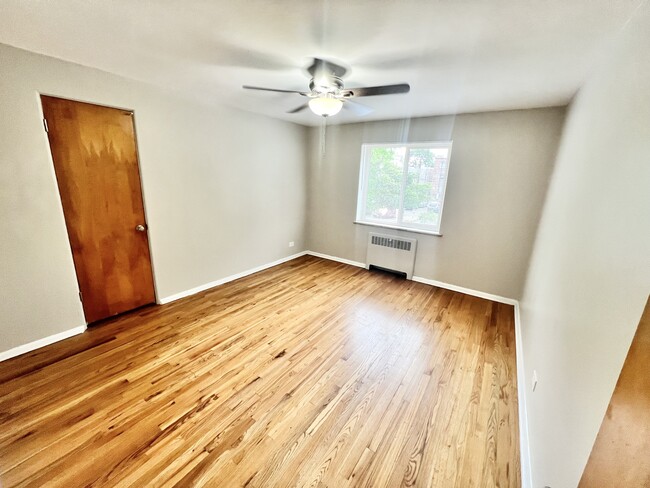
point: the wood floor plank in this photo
(311, 373)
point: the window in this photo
(403, 185)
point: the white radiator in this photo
(391, 253)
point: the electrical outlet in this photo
(534, 379)
(291, 244)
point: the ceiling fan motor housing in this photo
(326, 84)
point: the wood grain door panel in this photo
(620, 456)
(96, 163)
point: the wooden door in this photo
(96, 164)
(620, 456)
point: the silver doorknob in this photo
(140, 228)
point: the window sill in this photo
(395, 227)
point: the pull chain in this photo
(323, 133)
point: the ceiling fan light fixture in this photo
(325, 106)
(327, 92)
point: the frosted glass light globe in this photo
(325, 106)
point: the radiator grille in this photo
(390, 242)
(391, 253)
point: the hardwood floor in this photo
(312, 373)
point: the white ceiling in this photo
(458, 56)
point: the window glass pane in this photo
(406, 192)
(385, 171)
(425, 186)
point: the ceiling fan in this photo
(328, 95)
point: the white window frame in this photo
(363, 187)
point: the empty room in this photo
(325, 243)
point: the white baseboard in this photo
(212, 284)
(334, 258)
(427, 281)
(45, 341)
(524, 444)
(466, 291)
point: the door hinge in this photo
(81, 297)
(47, 129)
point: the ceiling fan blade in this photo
(248, 87)
(371, 91)
(298, 109)
(358, 108)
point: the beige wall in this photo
(224, 191)
(589, 275)
(500, 165)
